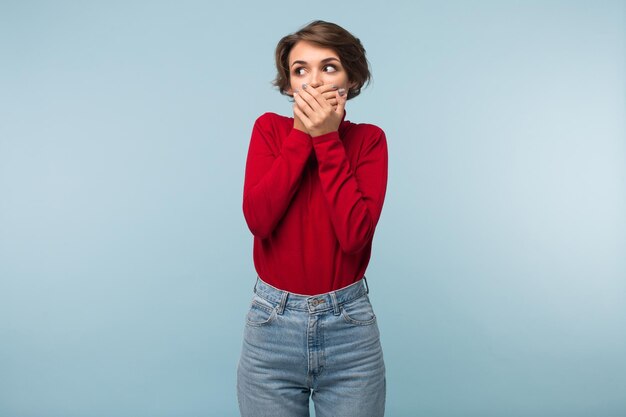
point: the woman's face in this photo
(315, 66)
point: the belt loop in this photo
(256, 281)
(366, 286)
(333, 298)
(283, 302)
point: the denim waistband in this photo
(311, 303)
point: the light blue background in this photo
(498, 268)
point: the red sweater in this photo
(312, 203)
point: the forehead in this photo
(309, 52)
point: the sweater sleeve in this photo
(272, 174)
(354, 195)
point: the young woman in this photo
(313, 193)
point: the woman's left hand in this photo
(317, 114)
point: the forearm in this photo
(268, 192)
(354, 201)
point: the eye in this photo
(297, 70)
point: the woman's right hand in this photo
(328, 92)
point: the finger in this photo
(327, 88)
(341, 101)
(313, 97)
(306, 102)
(318, 94)
(328, 92)
(302, 103)
(329, 95)
(303, 117)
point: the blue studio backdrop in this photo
(498, 271)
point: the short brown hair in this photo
(325, 35)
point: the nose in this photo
(316, 79)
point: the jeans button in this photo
(317, 301)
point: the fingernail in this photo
(342, 91)
(305, 85)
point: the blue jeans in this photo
(326, 346)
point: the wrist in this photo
(322, 133)
(300, 126)
(301, 129)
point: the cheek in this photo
(342, 79)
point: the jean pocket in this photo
(261, 312)
(359, 312)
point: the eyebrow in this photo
(323, 60)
